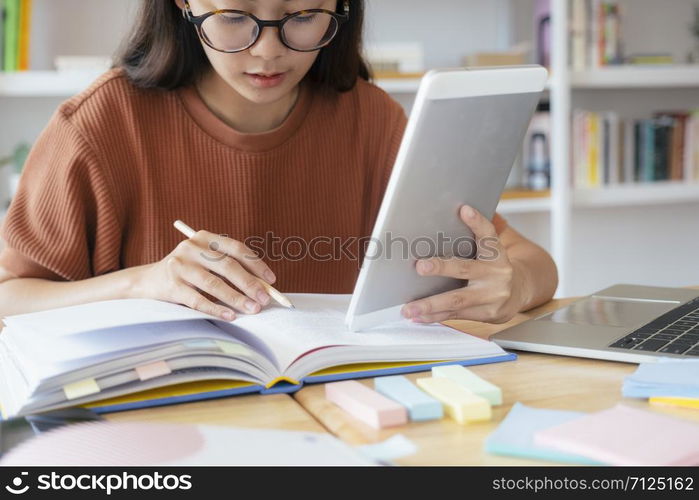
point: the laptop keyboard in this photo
(675, 332)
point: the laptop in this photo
(628, 323)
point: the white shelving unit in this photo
(524, 206)
(45, 83)
(629, 195)
(630, 77)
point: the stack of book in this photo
(595, 34)
(609, 150)
(15, 29)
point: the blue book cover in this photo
(648, 151)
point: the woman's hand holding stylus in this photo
(206, 263)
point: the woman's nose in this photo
(269, 45)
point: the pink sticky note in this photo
(626, 436)
(152, 370)
(366, 404)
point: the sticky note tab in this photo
(420, 406)
(461, 404)
(232, 348)
(81, 388)
(201, 344)
(680, 402)
(365, 404)
(470, 381)
(153, 370)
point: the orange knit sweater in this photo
(117, 165)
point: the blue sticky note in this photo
(420, 405)
(667, 377)
(515, 435)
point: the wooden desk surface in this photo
(274, 411)
(538, 380)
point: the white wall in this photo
(77, 27)
(448, 29)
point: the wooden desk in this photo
(274, 411)
(537, 380)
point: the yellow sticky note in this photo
(470, 381)
(461, 404)
(81, 388)
(232, 348)
(670, 401)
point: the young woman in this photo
(255, 124)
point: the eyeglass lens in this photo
(229, 31)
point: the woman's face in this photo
(268, 56)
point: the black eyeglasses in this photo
(227, 30)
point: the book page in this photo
(101, 315)
(43, 355)
(318, 322)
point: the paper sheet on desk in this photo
(148, 444)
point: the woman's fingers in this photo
(481, 226)
(185, 294)
(215, 286)
(452, 267)
(447, 302)
(224, 262)
(217, 247)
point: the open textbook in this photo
(104, 350)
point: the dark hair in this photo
(163, 51)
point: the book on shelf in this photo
(124, 354)
(15, 32)
(595, 34)
(610, 150)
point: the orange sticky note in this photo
(153, 370)
(366, 404)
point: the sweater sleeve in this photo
(61, 224)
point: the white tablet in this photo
(462, 138)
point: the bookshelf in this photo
(621, 223)
(625, 77)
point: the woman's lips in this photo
(265, 81)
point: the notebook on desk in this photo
(127, 354)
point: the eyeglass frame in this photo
(197, 21)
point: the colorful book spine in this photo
(593, 135)
(2, 34)
(648, 151)
(25, 17)
(11, 32)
